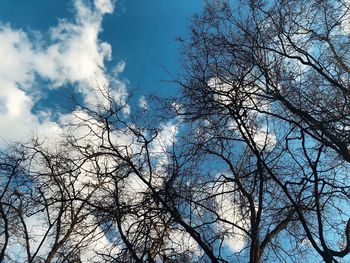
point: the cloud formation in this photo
(72, 54)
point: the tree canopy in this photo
(249, 163)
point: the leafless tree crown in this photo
(252, 166)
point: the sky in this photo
(52, 49)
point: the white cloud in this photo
(221, 90)
(143, 103)
(119, 68)
(105, 6)
(16, 118)
(16, 56)
(252, 103)
(73, 54)
(229, 209)
(165, 138)
(265, 139)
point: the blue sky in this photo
(143, 35)
(53, 48)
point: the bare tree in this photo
(103, 192)
(256, 173)
(266, 92)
